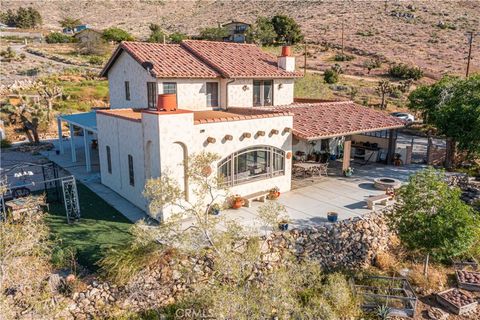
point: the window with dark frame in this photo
(212, 94)
(131, 175)
(127, 90)
(152, 95)
(262, 93)
(250, 164)
(109, 160)
(170, 87)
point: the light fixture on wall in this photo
(245, 88)
(280, 86)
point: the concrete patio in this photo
(309, 205)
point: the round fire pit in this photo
(386, 183)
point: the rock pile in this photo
(348, 244)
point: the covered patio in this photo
(82, 145)
(328, 132)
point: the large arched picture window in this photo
(254, 163)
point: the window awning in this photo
(87, 120)
(314, 121)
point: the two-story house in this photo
(237, 31)
(168, 101)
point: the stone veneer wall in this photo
(349, 244)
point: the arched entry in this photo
(180, 159)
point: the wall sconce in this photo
(245, 88)
(280, 86)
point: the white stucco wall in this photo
(127, 69)
(171, 138)
(124, 137)
(191, 93)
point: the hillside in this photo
(428, 34)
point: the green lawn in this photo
(100, 227)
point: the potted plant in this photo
(273, 193)
(214, 209)
(283, 224)
(348, 172)
(237, 202)
(332, 216)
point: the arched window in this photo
(254, 163)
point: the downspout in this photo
(226, 92)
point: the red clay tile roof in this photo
(312, 121)
(169, 60)
(203, 59)
(235, 114)
(238, 60)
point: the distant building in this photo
(88, 35)
(75, 29)
(237, 31)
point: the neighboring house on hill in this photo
(237, 31)
(88, 36)
(75, 29)
(169, 101)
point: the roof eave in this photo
(303, 136)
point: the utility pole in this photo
(470, 42)
(343, 24)
(305, 59)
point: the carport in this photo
(87, 122)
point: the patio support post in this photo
(87, 150)
(391, 145)
(60, 135)
(72, 143)
(347, 151)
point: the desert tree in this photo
(29, 115)
(69, 23)
(431, 219)
(49, 91)
(384, 88)
(262, 32)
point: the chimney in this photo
(167, 102)
(286, 61)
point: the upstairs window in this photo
(131, 175)
(212, 94)
(262, 93)
(152, 95)
(170, 87)
(127, 90)
(109, 160)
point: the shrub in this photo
(22, 18)
(372, 64)
(117, 35)
(330, 76)
(214, 34)
(96, 60)
(262, 32)
(58, 37)
(343, 57)
(177, 37)
(404, 71)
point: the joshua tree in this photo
(384, 87)
(49, 91)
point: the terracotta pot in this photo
(238, 203)
(167, 102)
(207, 171)
(286, 51)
